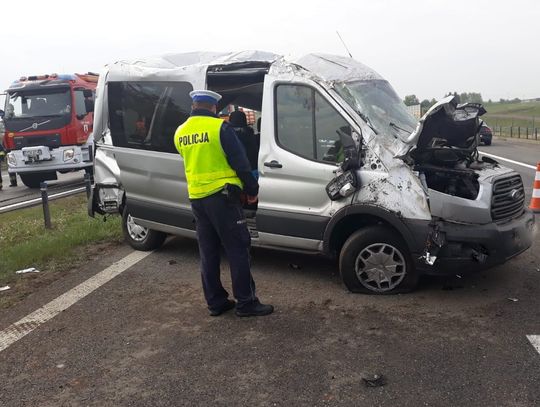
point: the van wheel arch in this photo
(353, 218)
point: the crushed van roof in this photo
(327, 67)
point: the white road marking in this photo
(23, 327)
(498, 157)
(535, 341)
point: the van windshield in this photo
(379, 105)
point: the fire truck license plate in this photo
(36, 153)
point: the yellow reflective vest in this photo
(207, 170)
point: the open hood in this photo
(448, 124)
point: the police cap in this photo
(205, 96)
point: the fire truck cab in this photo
(48, 126)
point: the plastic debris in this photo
(28, 270)
(376, 380)
(428, 258)
(171, 262)
(61, 366)
(512, 299)
(5, 288)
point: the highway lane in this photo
(144, 337)
(527, 153)
(11, 195)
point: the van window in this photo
(145, 115)
(308, 125)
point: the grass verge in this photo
(24, 242)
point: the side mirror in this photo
(89, 105)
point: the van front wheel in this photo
(140, 237)
(374, 260)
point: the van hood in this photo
(448, 124)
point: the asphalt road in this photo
(11, 195)
(144, 338)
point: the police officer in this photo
(2, 156)
(217, 169)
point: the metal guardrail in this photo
(526, 133)
(37, 201)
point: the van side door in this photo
(143, 117)
(299, 154)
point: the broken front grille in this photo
(508, 198)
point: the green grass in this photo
(24, 241)
(525, 114)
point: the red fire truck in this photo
(48, 126)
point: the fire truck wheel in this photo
(33, 180)
(140, 237)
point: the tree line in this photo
(464, 97)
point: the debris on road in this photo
(5, 288)
(376, 380)
(512, 299)
(171, 262)
(295, 266)
(28, 270)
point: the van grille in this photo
(508, 198)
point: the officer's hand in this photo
(252, 199)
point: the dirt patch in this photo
(32, 282)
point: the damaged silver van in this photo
(345, 170)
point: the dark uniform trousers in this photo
(222, 223)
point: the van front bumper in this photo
(476, 247)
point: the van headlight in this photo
(68, 154)
(12, 161)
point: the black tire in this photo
(33, 180)
(487, 142)
(149, 240)
(377, 241)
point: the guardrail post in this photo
(511, 131)
(88, 184)
(45, 203)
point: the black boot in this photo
(255, 309)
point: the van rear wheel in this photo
(374, 260)
(140, 237)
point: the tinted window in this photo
(308, 125)
(295, 119)
(329, 124)
(146, 114)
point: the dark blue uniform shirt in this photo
(235, 153)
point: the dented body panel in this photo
(425, 183)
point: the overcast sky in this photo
(425, 47)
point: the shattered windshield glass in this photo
(379, 105)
